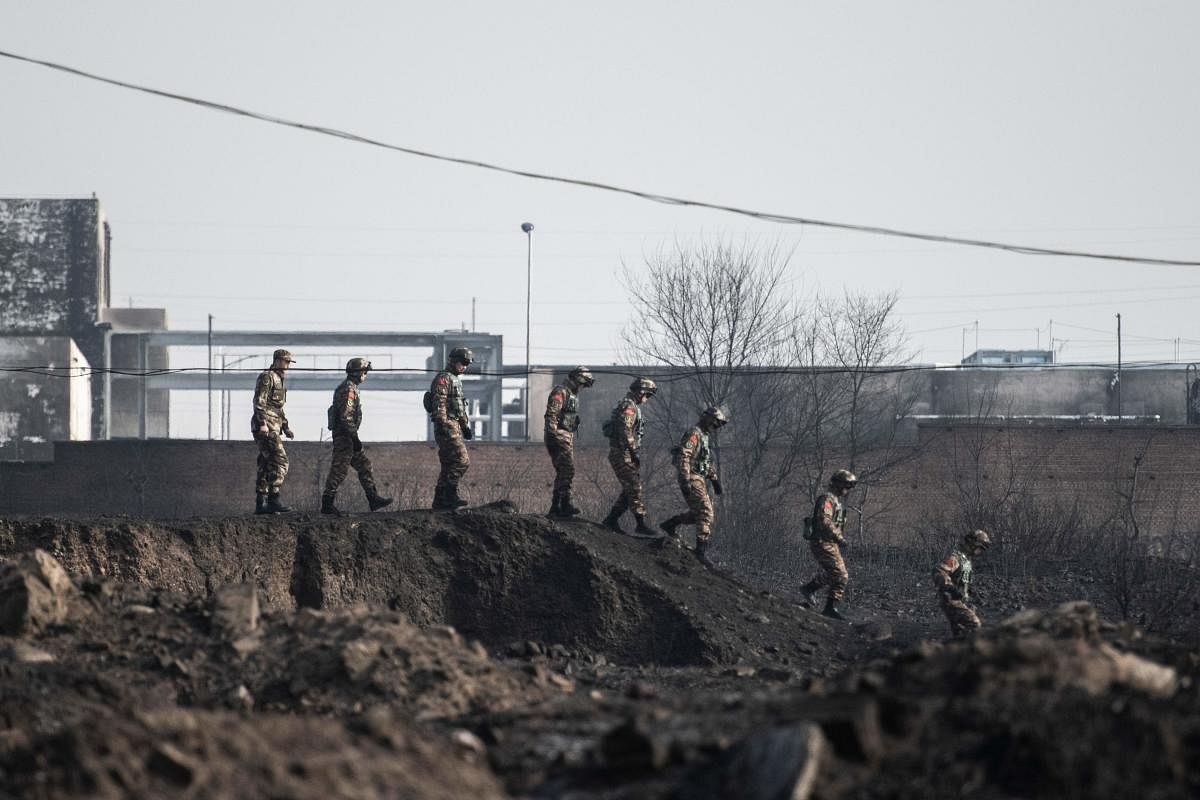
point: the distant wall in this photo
(177, 478)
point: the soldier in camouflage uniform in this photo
(447, 406)
(269, 425)
(345, 416)
(826, 536)
(625, 429)
(562, 420)
(953, 581)
(694, 462)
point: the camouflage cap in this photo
(978, 539)
(286, 355)
(844, 477)
(643, 385)
(716, 415)
(358, 365)
(462, 355)
(582, 376)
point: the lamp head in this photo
(527, 226)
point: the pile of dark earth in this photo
(486, 653)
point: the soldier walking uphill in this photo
(345, 417)
(447, 407)
(825, 539)
(693, 460)
(953, 581)
(269, 425)
(562, 420)
(624, 430)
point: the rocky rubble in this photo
(152, 687)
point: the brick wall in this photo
(175, 478)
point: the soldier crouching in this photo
(952, 578)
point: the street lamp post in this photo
(528, 228)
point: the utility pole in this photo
(472, 315)
(528, 228)
(1118, 367)
(209, 373)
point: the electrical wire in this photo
(655, 197)
(665, 373)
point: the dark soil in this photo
(486, 653)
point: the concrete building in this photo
(55, 274)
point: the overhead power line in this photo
(655, 197)
(664, 373)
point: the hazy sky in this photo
(1060, 124)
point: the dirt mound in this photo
(495, 576)
(1049, 705)
(106, 753)
(217, 653)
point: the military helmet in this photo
(977, 539)
(286, 355)
(582, 376)
(358, 365)
(717, 415)
(844, 478)
(644, 386)
(462, 355)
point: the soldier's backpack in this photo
(808, 528)
(331, 418)
(609, 426)
(427, 401)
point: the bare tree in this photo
(712, 309)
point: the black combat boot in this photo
(808, 596)
(327, 506)
(569, 508)
(441, 501)
(453, 498)
(702, 551)
(275, 505)
(831, 610)
(642, 528)
(613, 520)
(260, 503)
(556, 507)
(669, 525)
(375, 501)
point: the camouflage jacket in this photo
(562, 412)
(270, 394)
(954, 573)
(695, 455)
(627, 427)
(449, 403)
(829, 518)
(346, 413)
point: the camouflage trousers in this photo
(700, 507)
(629, 475)
(961, 616)
(272, 462)
(452, 453)
(833, 571)
(562, 455)
(343, 459)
